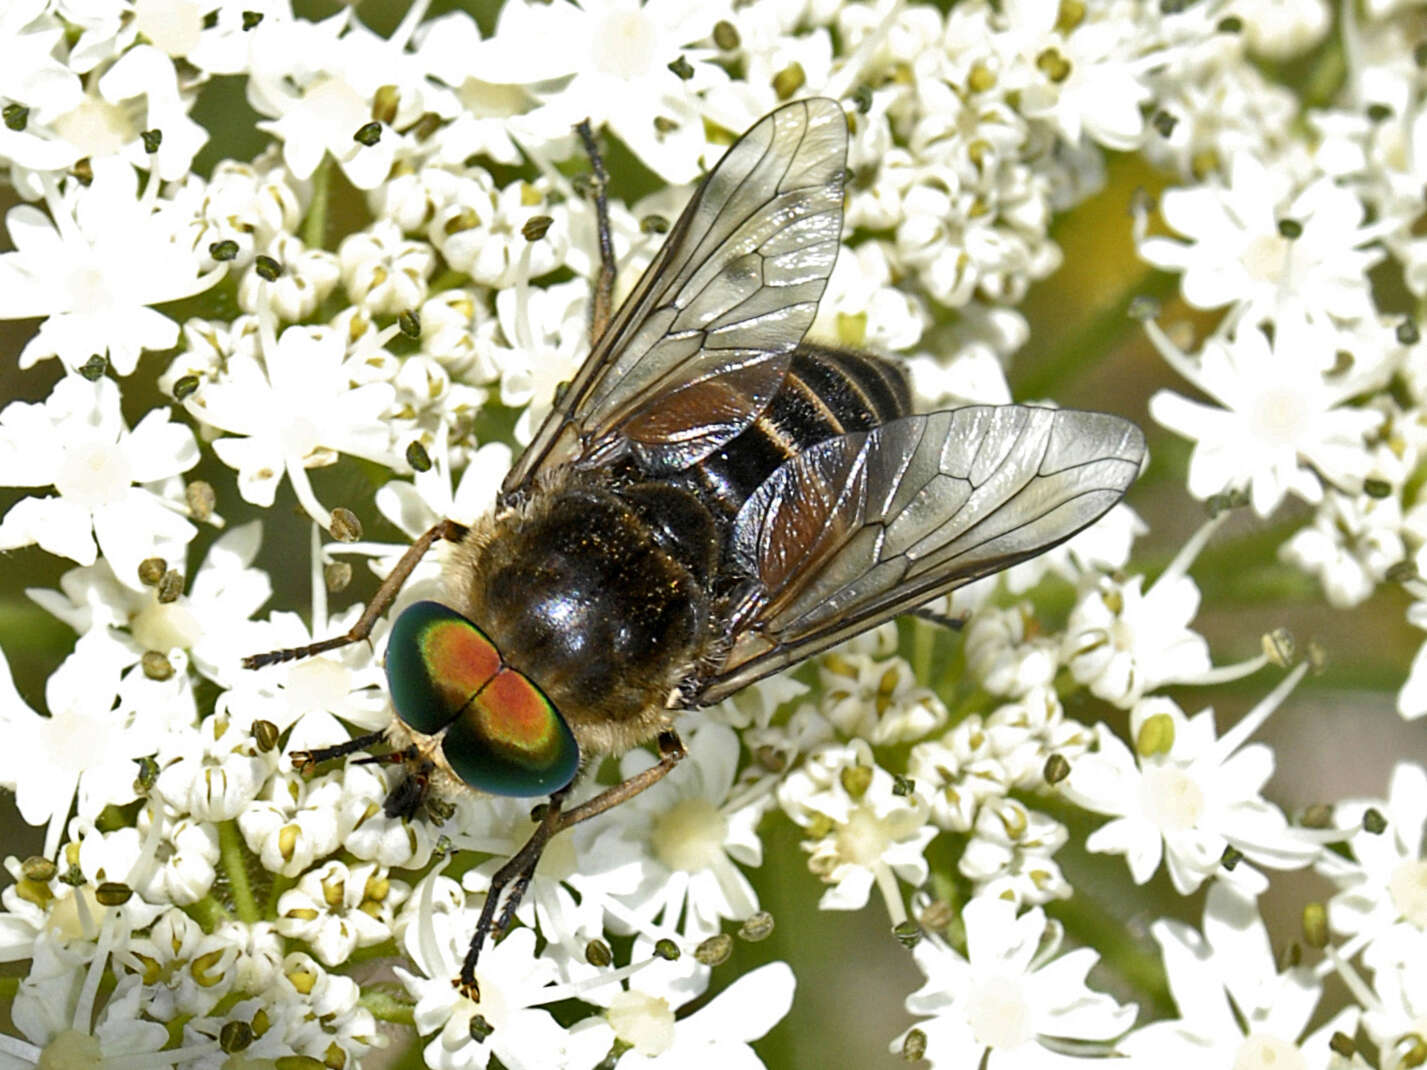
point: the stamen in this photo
(306, 496)
(890, 891)
(319, 584)
(1175, 357)
(1190, 550)
(84, 1006)
(143, 869)
(575, 989)
(841, 83)
(1237, 736)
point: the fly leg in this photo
(604, 281)
(380, 603)
(671, 752)
(945, 620)
(304, 760)
(519, 870)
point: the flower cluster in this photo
(358, 292)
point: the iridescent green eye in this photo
(502, 735)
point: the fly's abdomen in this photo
(827, 392)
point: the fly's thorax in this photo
(584, 591)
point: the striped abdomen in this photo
(826, 392)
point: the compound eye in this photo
(436, 662)
(510, 740)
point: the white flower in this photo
(689, 838)
(214, 771)
(863, 829)
(31, 75)
(141, 91)
(383, 272)
(85, 747)
(327, 1010)
(609, 60)
(546, 338)
(1350, 545)
(1393, 1014)
(877, 699)
(1010, 1000)
(171, 864)
(110, 480)
(570, 890)
(1125, 643)
(1223, 105)
(1272, 253)
(347, 682)
(298, 407)
(210, 621)
(185, 970)
(55, 1008)
(294, 823)
(1382, 897)
(479, 230)
(394, 842)
(1087, 79)
(1283, 426)
(1005, 652)
(337, 909)
(318, 90)
(1189, 797)
(93, 267)
(305, 279)
(1282, 29)
(430, 497)
(862, 308)
(1009, 854)
(1235, 1008)
(240, 203)
(260, 952)
(511, 981)
(717, 1034)
(1412, 699)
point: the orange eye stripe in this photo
(460, 661)
(516, 717)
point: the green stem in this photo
(1099, 335)
(448, 280)
(235, 865)
(1120, 951)
(1255, 585)
(314, 227)
(280, 885)
(1330, 71)
(387, 1008)
(208, 912)
(923, 641)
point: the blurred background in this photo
(1084, 351)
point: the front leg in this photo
(519, 870)
(380, 603)
(604, 281)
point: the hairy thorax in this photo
(597, 597)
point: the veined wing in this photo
(702, 343)
(871, 524)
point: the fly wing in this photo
(868, 525)
(702, 343)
